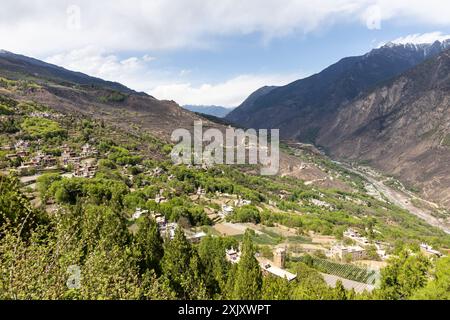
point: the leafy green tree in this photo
(15, 209)
(44, 182)
(339, 291)
(309, 285)
(110, 274)
(405, 274)
(439, 287)
(154, 288)
(275, 288)
(212, 254)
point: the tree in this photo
(15, 208)
(212, 254)
(404, 274)
(149, 244)
(110, 274)
(248, 282)
(310, 285)
(275, 288)
(339, 291)
(183, 268)
(439, 287)
(44, 182)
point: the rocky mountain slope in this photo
(388, 108)
(74, 92)
(302, 108)
(402, 127)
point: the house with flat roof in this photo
(354, 252)
(269, 268)
(226, 210)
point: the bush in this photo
(113, 97)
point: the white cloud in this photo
(420, 38)
(44, 28)
(134, 72)
(56, 29)
(137, 73)
(230, 93)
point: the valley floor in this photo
(402, 199)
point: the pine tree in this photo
(150, 245)
(182, 267)
(248, 282)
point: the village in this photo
(33, 164)
(353, 258)
(280, 241)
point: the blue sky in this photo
(209, 52)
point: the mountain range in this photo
(75, 92)
(388, 108)
(215, 111)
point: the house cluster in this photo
(356, 236)
(39, 161)
(195, 237)
(86, 169)
(229, 209)
(167, 229)
(21, 149)
(43, 114)
(322, 204)
(88, 150)
(276, 267)
(69, 157)
(358, 251)
(232, 255)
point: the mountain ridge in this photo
(295, 107)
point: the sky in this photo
(208, 52)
